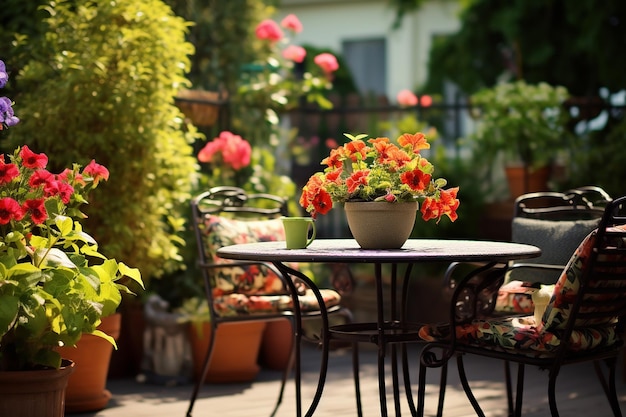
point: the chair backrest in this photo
(226, 216)
(555, 222)
(591, 291)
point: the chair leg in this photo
(466, 387)
(509, 387)
(608, 383)
(552, 392)
(442, 388)
(202, 376)
(428, 359)
(519, 396)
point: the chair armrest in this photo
(527, 265)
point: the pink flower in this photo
(294, 53)
(292, 23)
(426, 101)
(327, 62)
(96, 171)
(406, 98)
(269, 30)
(235, 150)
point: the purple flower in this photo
(4, 76)
(7, 117)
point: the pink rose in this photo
(269, 30)
(236, 152)
(294, 53)
(406, 98)
(292, 23)
(327, 62)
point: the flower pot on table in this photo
(380, 225)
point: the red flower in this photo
(96, 171)
(40, 177)
(65, 191)
(416, 179)
(33, 160)
(36, 209)
(268, 30)
(322, 202)
(7, 172)
(10, 210)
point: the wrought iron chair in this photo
(247, 291)
(582, 322)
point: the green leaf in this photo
(9, 307)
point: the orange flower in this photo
(357, 178)
(416, 179)
(417, 141)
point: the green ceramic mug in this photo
(297, 231)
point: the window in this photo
(366, 60)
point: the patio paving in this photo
(578, 392)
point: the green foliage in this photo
(576, 44)
(525, 122)
(101, 85)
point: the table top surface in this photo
(414, 250)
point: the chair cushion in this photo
(525, 336)
(241, 304)
(248, 280)
(515, 297)
(559, 308)
(520, 335)
(557, 240)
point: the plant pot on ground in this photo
(86, 388)
(525, 125)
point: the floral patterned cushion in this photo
(515, 297)
(521, 335)
(538, 339)
(249, 280)
(255, 288)
(238, 304)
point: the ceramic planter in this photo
(277, 344)
(524, 180)
(34, 393)
(380, 225)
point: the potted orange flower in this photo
(395, 176)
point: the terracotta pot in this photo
(277, 344)
(235, 353)
(522, 182)
(86, 389)
(380, 225)
(34, 393)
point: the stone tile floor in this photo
(579, 393)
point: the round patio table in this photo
(392, 330)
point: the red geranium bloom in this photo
(33, 160)
(10, 210)
(36, 209)
(7, 172)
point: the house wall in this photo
(329, 23)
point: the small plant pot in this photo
(235, 353)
